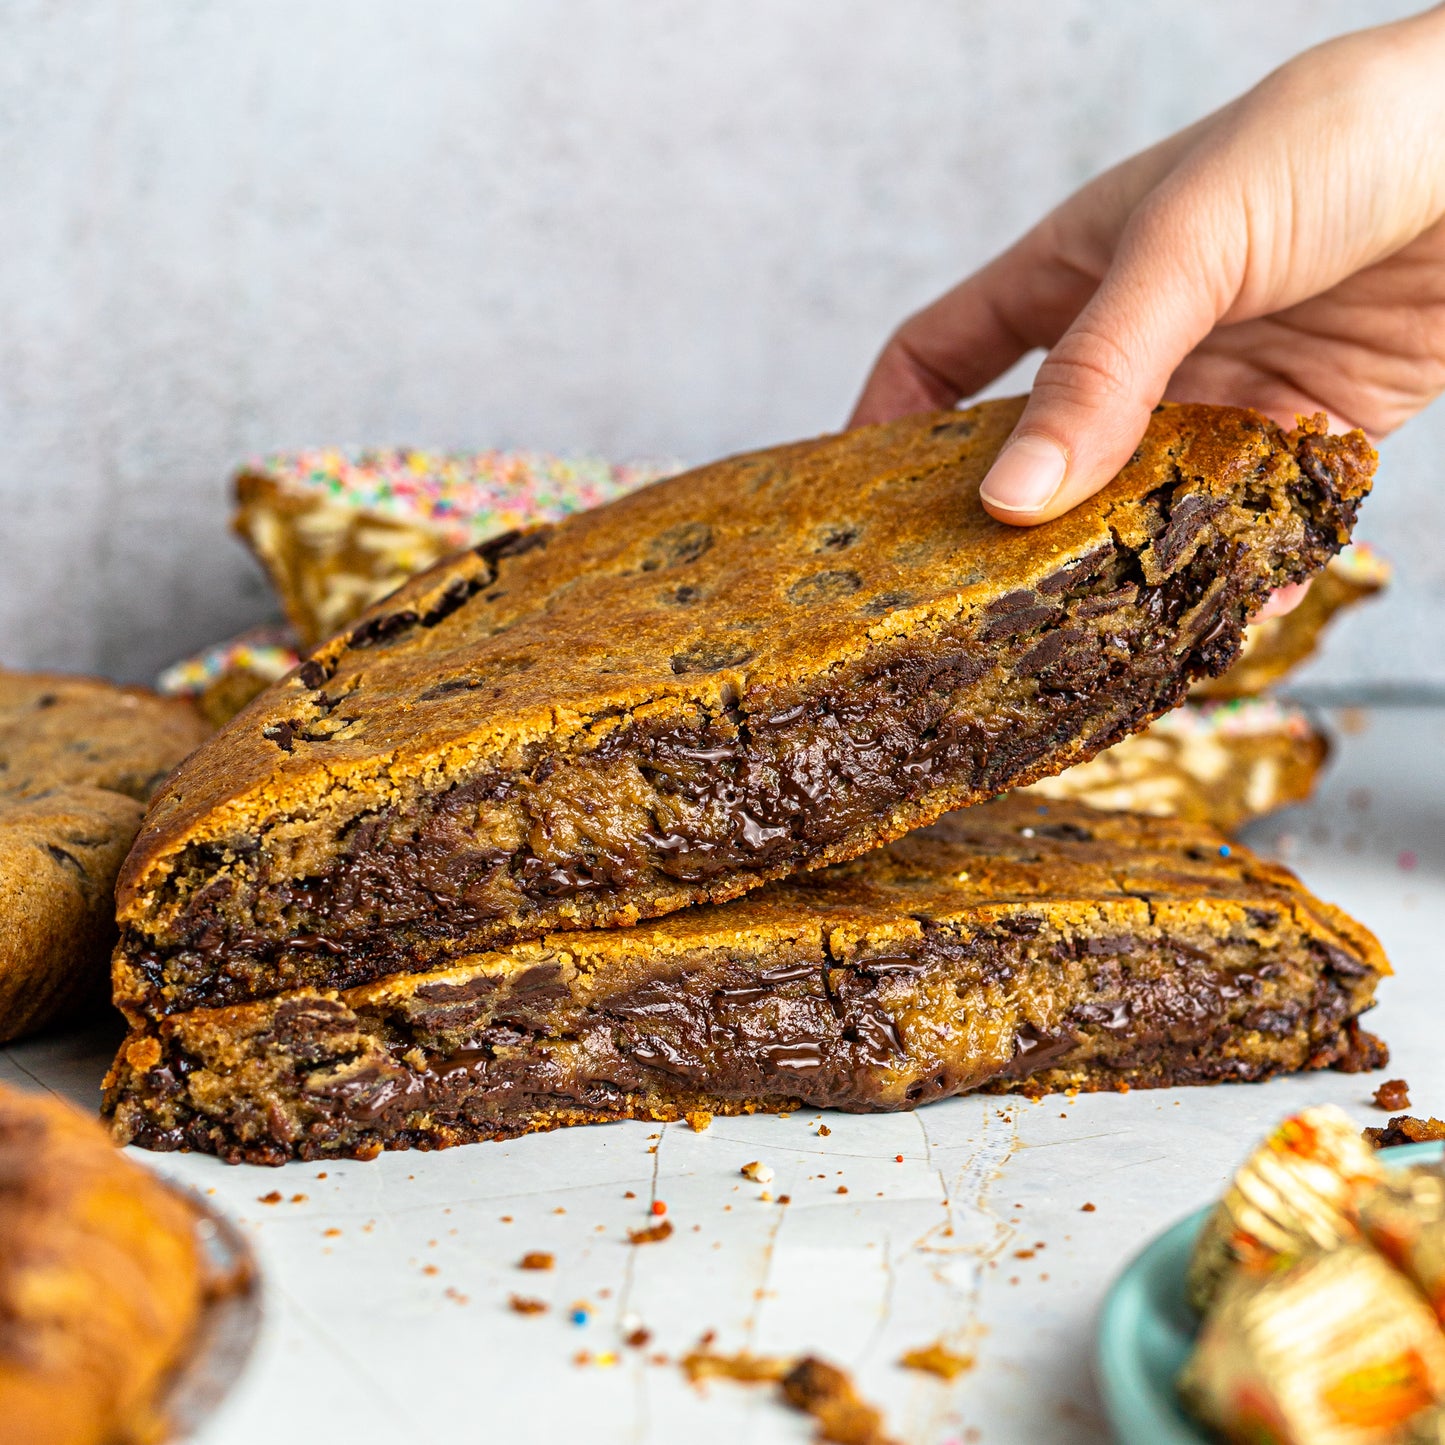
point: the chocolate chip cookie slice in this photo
(78, 759)
(769, 664)
(1017, 945)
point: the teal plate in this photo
(1147, 1330)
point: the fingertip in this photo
(1282, 601)
(1024, 478)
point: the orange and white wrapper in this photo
(1404, 1218)
(1336, 1348)
(1299, 1191)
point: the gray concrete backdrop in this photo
(634, 226)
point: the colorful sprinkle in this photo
(269, 652)
(1224, 850)
(465, 496)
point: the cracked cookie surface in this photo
(769, 664)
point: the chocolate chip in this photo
(455, 595)
(1187, 518)
(378, 630)
(961, 428)
(677, 546)
(512, 543)
(711, 657)
(837, 537)
(1003, 624)
(313, 674)
(680, 597)
(451, 685)
(823, 587)
(68, 860)
(884, 603)
(281, 734)
(1075, 574)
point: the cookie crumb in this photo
(652, 1235)
(537, 1259)
(520, 1304)
(809, 1384)
(274, 1197)
(1405, 1129)
(638, 1338)
(698, 1120)
(1392, 1095)
(757, 1171)
(1086, 1208)
(937, 1359)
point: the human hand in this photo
(1286, 253)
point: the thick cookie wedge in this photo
(766, 665)
(1273, 649)
(78, 759)
(1017, 945)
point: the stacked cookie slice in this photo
(457, 875)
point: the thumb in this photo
(1093, 394)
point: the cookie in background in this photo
(338, 529)
(79, 759)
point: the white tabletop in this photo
(387, 1283)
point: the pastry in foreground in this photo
(1018, 945)
(102, 1282)
(78, 759)
(770, 664)
(1274, 648)
(1222, 763)
(337, 530)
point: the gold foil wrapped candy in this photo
(1300, 1190)
(1336, 1348)
(1426, 1429)
(1404, 1218)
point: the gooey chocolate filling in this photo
(1088, 656)
(479, 1060)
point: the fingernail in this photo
(1025, 475)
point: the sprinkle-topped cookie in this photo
(465, 496)
(338, 529)
(268, 653)
(1224, 763)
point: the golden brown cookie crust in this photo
(769, 664)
